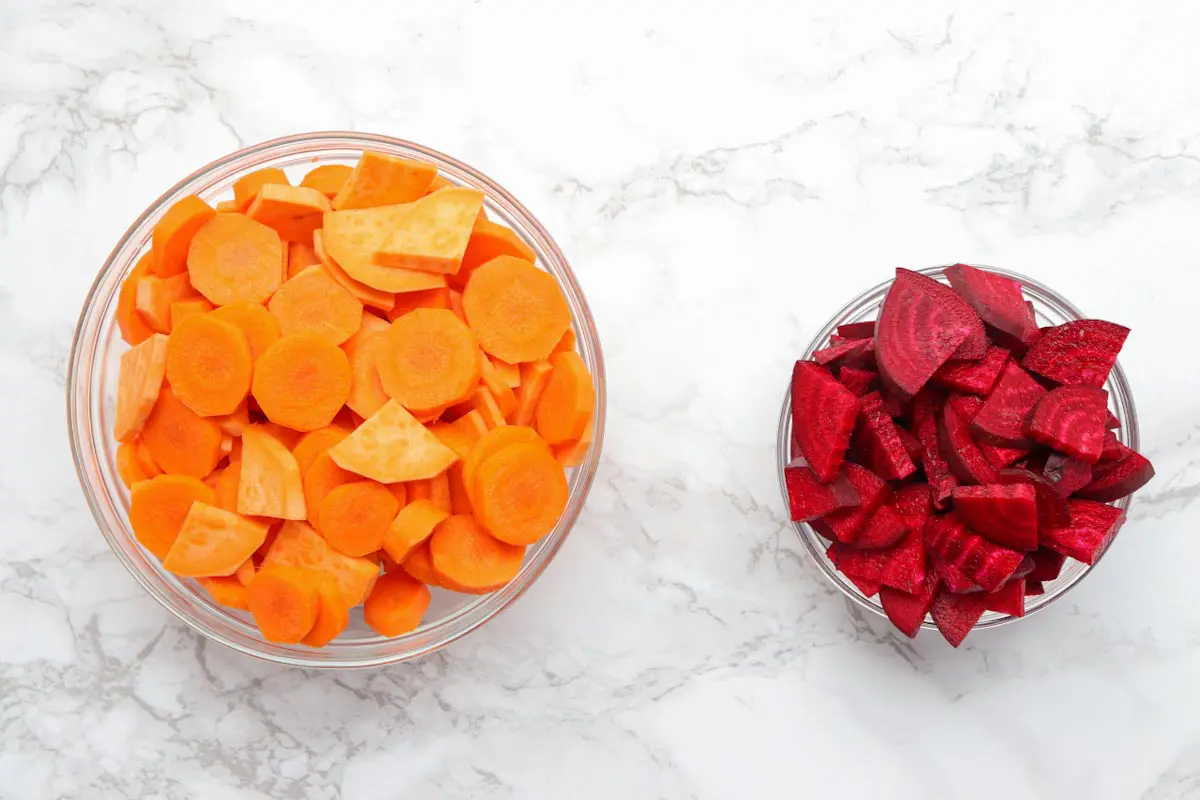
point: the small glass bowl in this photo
(91, 393)
(1051, 309)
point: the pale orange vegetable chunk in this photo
(247, 187)
(139, 382)
(270, 483)
(366, 391)
(234, 259)
(392, 446)
(293, 211)
(351, 239)
(213, 542)
(158, 507)
(134, 329)
(432, 236)
(383, 180)
(368, 296)
(328, 179)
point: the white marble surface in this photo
(721, 181)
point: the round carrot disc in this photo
(255, 321)
(355, 517)
(516, 309)
(208, 365)
(468, 559)
(302, 382)
(283, 601)
(428, 359)
(396, 604)
(180, 441)
(234, 259)
(157, 508)
(522, 492)
(314, 302)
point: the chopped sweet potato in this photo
(270, 483)
(392, 446)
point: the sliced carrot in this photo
(383, 180)
(283, 602)
(389, 563)
(328, 179)
(419, 565)
(469, 558)
(572, 454)
(299, 256)
(400, 492)
(498, 386)
(155, 296)
(246, 188)
(146, 461)
(351, 239)
(128, 468)
(489, 240)
(493, 442)
(396, 604)
(366, 391)
(313, 443)
(433, 235)
(138, 384)
(209, 365)
(158, 507)
(178, 440)
(173, 234)
(226, 489)
(520, 493)
(534, 377)
(192, 306)
(449, 434)
(212, 541)
(412, 526)
(313, 302)
(245, 573)
(333, 615)
(367, 295)
(565, 407)
(418, 490)
(517, 310)
(134, 329)
(567, 342)
(234, 259)
(226, 207)
(227, 591)
(487, 407)
(302, 381)
(354, 517)
(456, 304)
(391, 446)
(321, 478)
(293, 211)
(428, 359)
(297, 544)
(510, 374)
(259, 326)
(429, 298)
(436, 490)
(472, 426)
(460, 498)
(270, 483)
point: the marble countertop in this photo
(721, 181)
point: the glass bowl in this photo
(91, 393)
(1051, 309)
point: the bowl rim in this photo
(809, 538)
(91, 326)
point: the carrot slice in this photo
(284, 435)
(489, 240)
(412, 526)
(419, 565)
(493, 442)
(158, 507)
(351, 239)
(567, 342)
(467, 557)
(134, 329)
(396, 604)
(456, 304)
(255, 322)
(436, 490)
(139, 382)
(192, 306)
(293, 211)
(270, 484)
(283, 602)
(428, 359)
(572, 454)
(487, 407)
(212, 541)
(297, 544)
(321, 478)
(234, 259)
(521, 493)
(313, 302)
(534, 377)
(299, 256)
(147, 463)
(173, 234)
(472, 426)
(510, 374)
(313, 443)
(246, 188)
(178, 440)
(227, 591)
(302, 381)
(400, 492)
(328, 179)
(209, 365)
(154, 298)
(367, 295)
(366, 391)
(383, 180)
(497, 386)
(460, 498)
(354, 516)
(428, 298)
(391, 446)
(516, 309)
(245, 573)
(433, 235)
(128, 468)
(454, 437)
(333, 615)
(566, 404)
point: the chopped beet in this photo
(952, 576)
(1033, 588)
(912, 445)
(999, 456)
(879, 440)
(997, 299)
(921, 325)
(906, 569)
(1118, 479)
(864, 564)
(809, 498)
(1005, 412)
(823, 417)
(959, 450)
(1071, 419)
(984, 563)
(1051, 506)
(845, 523)
(857, 330)
(844, 351)
(884, 529)
(868, 587)
(893, 404)
(990, 565)
(859, 381)
(1047, 564)
(907, 610)
(925, 414)
(1113, 450)
(1078, 353)
(1008, 599)
(1005, 514)
(973, 377)
(1093, 526)
(956, 614)
(1112, 423)
(1068, 475)
(915, 504)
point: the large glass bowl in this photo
(1051, 309)
(91, 393)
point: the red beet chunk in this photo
(1008, 599)
(990, 565)
(1001, 457)
(868, 587)
(1047, 564)
(907, 610)
(973, 377)
(1051, 506)
(956, 614)
(921, 325)
(997, 299)
(959, 450)
(867, 565)
(925, 412)
(1113, 450)
(1005, 514)
(879, 440)
(1068, 475)
(1093, 526)
(823, 417)
(843, 351)
(1033, 588)
(1071, 420)
(859, 381)
(1112, 423)
(1078, 353)
(844, 524)
(915, 504)
(1118, 479)
(1004, 414)
(884, 529)
(857, 330)
(906, 569)
(912, 445)
(809, 498)
(986, 564)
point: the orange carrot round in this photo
(411, 527)
(419, 565)
(226, 590)
(428, 359)
(493, 442)
(327, 179)
(179, 441)
(516, 309)
(313, 302)
(158, 506)
(321, 478)
(313, 443)
(134, 329)
(208, 365)
(245, 188)
(302, 382)
(173, 234)
(260, 328)
(333, 614)
(233, 259)
(521, 492)
(283, 601)
(146, 461)
(128, 468)
(471, 559)
(355, 516)
(565, 407)
(396, 604)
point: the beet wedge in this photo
(879, 440)
(844, 524)
(823, 417)
(997, 299)
(1118, 479)
(1092, 529)
(857, 330)
(843, 351)
(1047, 563)
(986, 564)
(908, 610)
(1068, 475)
(1008, 599)
(883, 529)
(857, 380)
(906, 568)
(867, 565)
(959, 450)
(1052, 508)
(1078, 353)
(1071, 419)
(956, 614)
(808, 498)
(1004, 415)
(1004, 514)
(925, 412)
(921, 325)
(973, 377)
